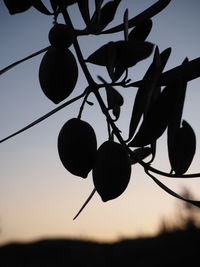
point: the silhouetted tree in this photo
(158, 104)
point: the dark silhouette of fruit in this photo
(112, 170)
(58, 74)
(17, 6)
(77, 147)
(61, 36)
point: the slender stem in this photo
(44, 117)
(2, 71)
(67, 19)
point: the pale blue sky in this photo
(38, 197)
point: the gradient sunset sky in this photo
(38, 197)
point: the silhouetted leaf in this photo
(40, 7)
(141, 31)
(84, 9)
(189, 71)
(175, 122)
(114, 99)
(183, 149)
(99, 56)
(126, 25)
(17, 6)
(164, 56)
(119, 70)
(116, 111)
(108, 13)
(127, 53)
(111, 55)
(102, 17)
(157, 118)
(169, 191)
(98, 4)
(145, 15)
(140, 154)
(145, 93)
(54, 5)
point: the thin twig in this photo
(44, 117)
(22, 60)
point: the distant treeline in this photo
(176, 248)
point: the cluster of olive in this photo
(110, 163)
(77, 144)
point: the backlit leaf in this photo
(189, 71)
(114, 99)
(183, 148)
(111, 59)
(129, 53)
(175, 122)
(126, 25)
(54, 5)
(108, 12)
(99, 56)
(84, 9)
(40, 7)
(145, 15)
(157, 119)
(145, 93)
(102, 17)
(141, 31)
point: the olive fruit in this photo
(17, 6)
(61, 35)
(58, 74)
(77, 147)
(112, 170)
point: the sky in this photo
(38, 197)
